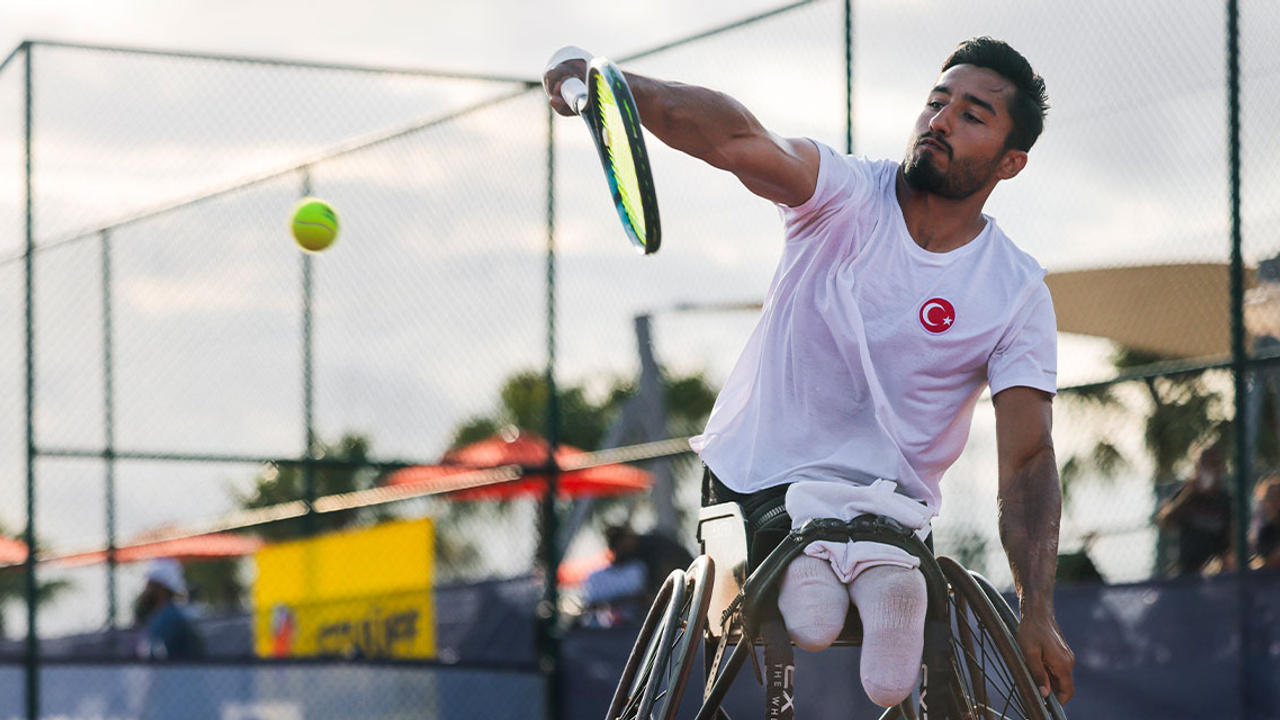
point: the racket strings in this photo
(623, 174)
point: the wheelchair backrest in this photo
(722, 533)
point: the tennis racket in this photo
(606, 104)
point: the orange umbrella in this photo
(12, 551)
(526, 450)
(574, 571)
(214, 546)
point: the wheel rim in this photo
(659, 679)
(992, 679)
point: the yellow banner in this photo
(365, 593)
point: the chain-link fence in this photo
(192, 371)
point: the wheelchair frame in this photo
(718, 602)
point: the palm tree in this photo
(1184, 412)
(13, 587)
(584, 423)
(284, 483)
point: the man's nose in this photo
(941, 122)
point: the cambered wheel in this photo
(655, 675)
(1011, 621)
(992, 676)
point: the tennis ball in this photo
(315, 224)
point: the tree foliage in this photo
(286, 482)
(13, 587)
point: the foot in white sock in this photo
(813, 602)
(891, 601)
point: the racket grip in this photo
(574, 92)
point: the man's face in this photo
(958, 141)
(1271, 501)
(1209, 470)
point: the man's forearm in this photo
(1030, 512)
(695, 120)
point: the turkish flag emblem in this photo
(937, 315)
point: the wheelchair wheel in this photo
(991, 674)
(1011, 621)
(658, 668)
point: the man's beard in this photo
(965, 177)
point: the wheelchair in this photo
(972, 667)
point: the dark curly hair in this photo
(1030, 102)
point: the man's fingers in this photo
(1062, 673)
(1040, 674)
(555, 77)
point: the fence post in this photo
(548, 610)
(109, 434)
(33, 639)
(308, 383)
(1239, 360)
(848, 77)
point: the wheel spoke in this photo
(661, 660)
(994, 683)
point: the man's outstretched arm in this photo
(715, 128)
(1030, 510)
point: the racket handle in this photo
(574, 92)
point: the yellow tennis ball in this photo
(315, 224)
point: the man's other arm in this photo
(1030, 510)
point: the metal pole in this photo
(308, 385)
(549, 614)
(653, 419)
(848, 77)
(33, 639)
(1239, 360)
(109, 432)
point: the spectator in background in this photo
(658, 553)
(1200, 512)
(170, 633)
(1266, 530)
(641, 562)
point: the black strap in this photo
(779, 669)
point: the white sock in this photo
(891, 601)
(813, 602)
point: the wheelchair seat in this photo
(722, 535)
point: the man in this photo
(640, 565)
(1266, 531)
(1201, 514)
(170, 634)
(895, 304)
(656, 552)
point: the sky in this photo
(506, 37)
(434, 290)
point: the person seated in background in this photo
(170, 633)
(640, 564)
(658, 553)
(1266, 531)
(1200, 512)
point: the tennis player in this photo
(896, 303)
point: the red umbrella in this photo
(214, 546)
(12, 551)
(574, 571)
(529, 451)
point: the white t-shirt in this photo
(871, 352)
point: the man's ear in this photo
(1011, 164)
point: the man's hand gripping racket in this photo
(605, 103)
